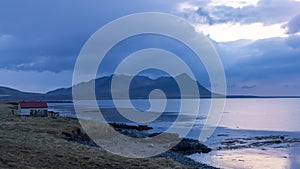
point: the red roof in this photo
(40, 104)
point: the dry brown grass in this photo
(36, 142)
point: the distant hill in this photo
(140, 88)
(13, 94)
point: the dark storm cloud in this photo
(271, 65)
(48, 35)
(267, 60)
(294, 25)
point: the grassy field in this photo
(38, 142)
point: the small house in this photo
(39, 108)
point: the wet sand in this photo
(247, 149)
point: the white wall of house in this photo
(26, 111)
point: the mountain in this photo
(13, 94)
(140, 88)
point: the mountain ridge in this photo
(140, 88)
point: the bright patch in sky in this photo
(233, 3)
(236, 31)
(186, 6)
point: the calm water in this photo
(248, 114)
(262, 114)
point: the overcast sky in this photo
(257, 40)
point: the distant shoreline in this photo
(7, 98)
(261, 97)
(227, 97)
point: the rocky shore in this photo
(270, 141)
(177, 153)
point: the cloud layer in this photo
(265, 11)
(294, 25)
(258, 40)
(48, 35)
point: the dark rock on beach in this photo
(190, 146)
(187, 147)
(126, 126)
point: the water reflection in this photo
(262, 114)
(247, 159)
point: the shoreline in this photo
(178, 153)
(230, 147)
(43, 139)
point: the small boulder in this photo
(190, 146)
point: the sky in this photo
(258, 41)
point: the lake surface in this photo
(242, 118)
(247, 114)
